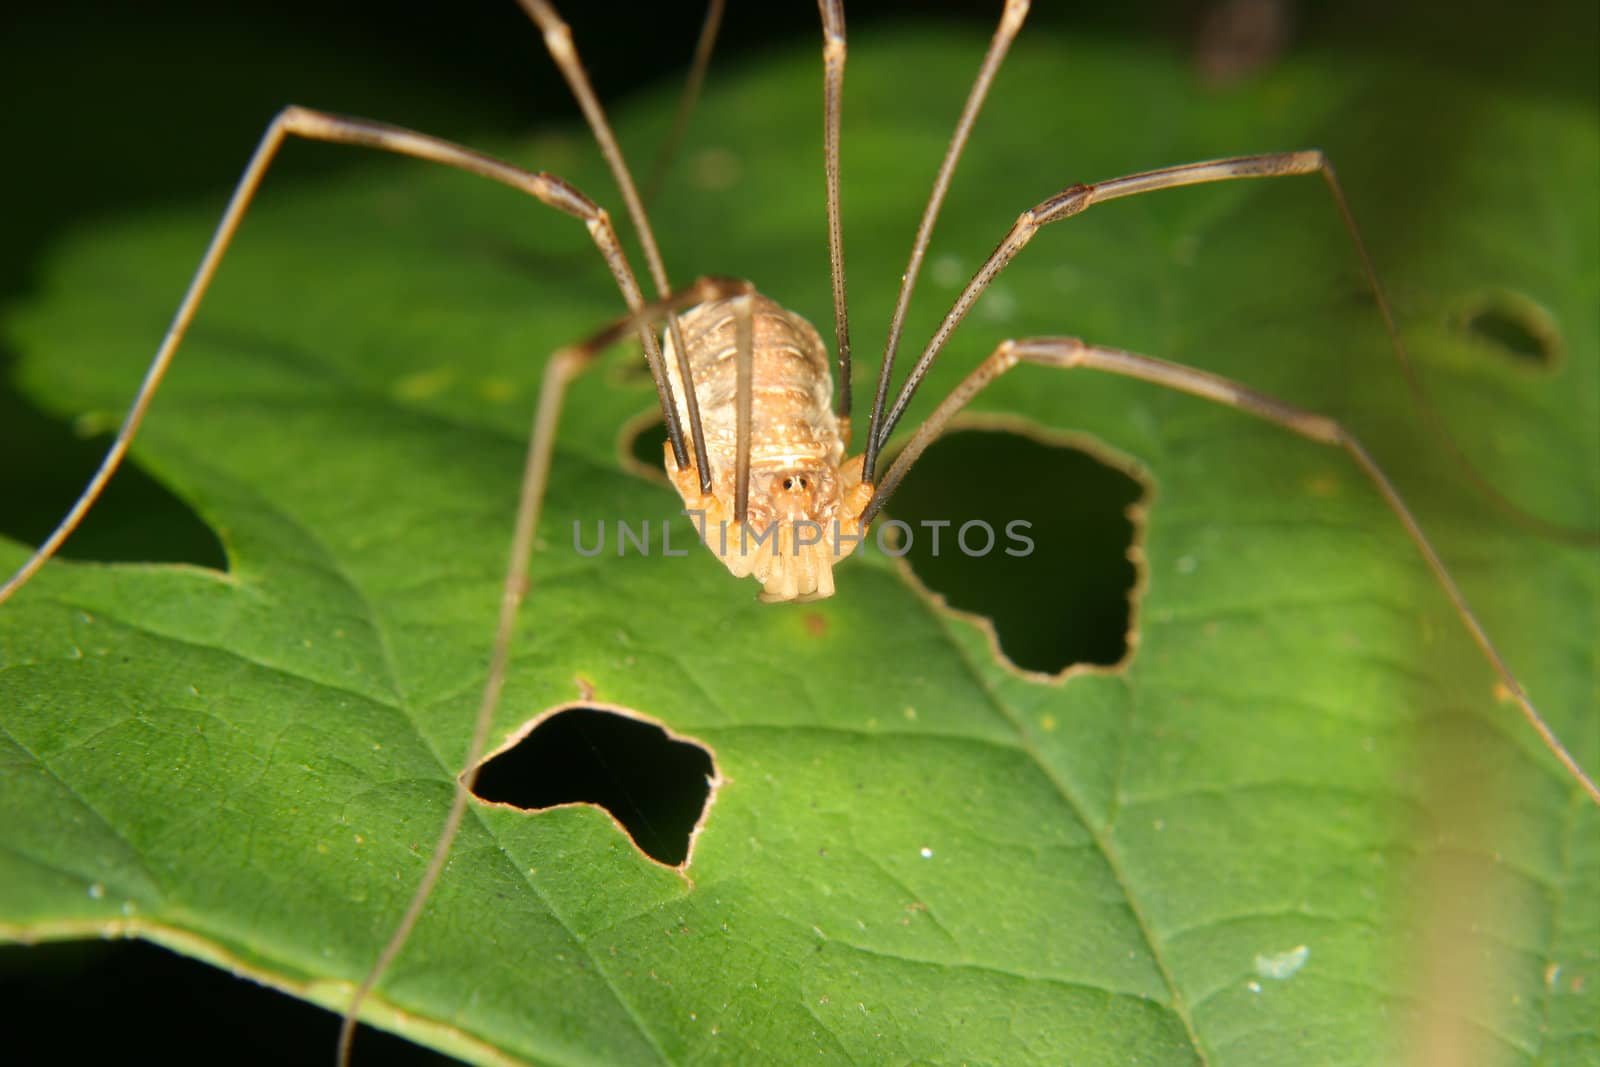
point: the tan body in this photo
(805, 502)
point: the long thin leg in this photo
(558, 41)
(691, 95)
(563, 367)
(1069, 352)
(1065, 204)
(1010, 24)
(833, 55)
(744, 353)
(558, 374)
(320, 126)
(1077, 198)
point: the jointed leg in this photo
(558, 374)
(320, 126)
(833, 56)
(1010, 24)
(1068, 353)
(563, 367)
(1077, 198)
(1065, 204)
(744, 353)
(691, 95)
(558, 41)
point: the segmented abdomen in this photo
(792, 424)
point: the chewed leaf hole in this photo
(136, 520)
(1516, 327)
(655, 785)
(1034, 536)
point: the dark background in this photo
(110, 107)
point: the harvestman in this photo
(756, 446)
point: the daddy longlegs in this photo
(696, 467)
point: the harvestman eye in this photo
(756, 405)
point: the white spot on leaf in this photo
(1282, 965)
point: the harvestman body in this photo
(797, 508)
(757, 440)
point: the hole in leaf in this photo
(1066, 600)
(643, 441)
(654, 784)
(1516, 327)
(136, 520)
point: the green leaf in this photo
(1298, 826)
